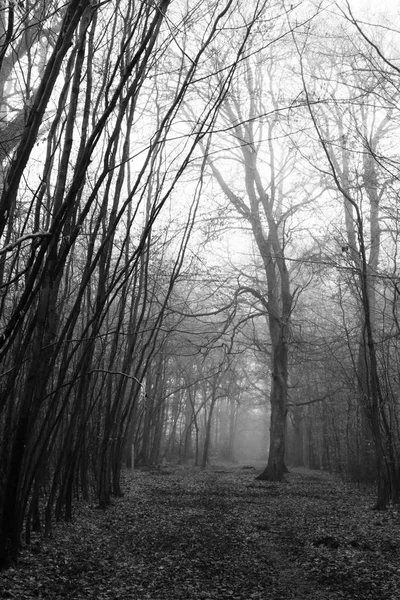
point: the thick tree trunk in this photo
(276, 468)
(12, 513)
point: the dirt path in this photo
(189, 535)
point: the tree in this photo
(267, 207)
(352, 118)
(82, 186)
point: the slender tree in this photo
(351, 136)
(80, 195)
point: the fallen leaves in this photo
(191, 535)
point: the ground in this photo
(185, 534)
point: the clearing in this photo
(185, 534)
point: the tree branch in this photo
(28, 236)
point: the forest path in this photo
(184, 534)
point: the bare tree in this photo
(80, 197)
(353, 117)
(250, 114)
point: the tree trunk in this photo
(207, 439)
(276, 468)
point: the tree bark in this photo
(276, 468)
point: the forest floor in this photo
(185, 534)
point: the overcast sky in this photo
(373, 6)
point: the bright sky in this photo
(361, 7)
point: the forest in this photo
(199, 239)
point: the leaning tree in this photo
(92, 147)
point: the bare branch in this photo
(29, 236)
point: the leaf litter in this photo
(186, 534)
